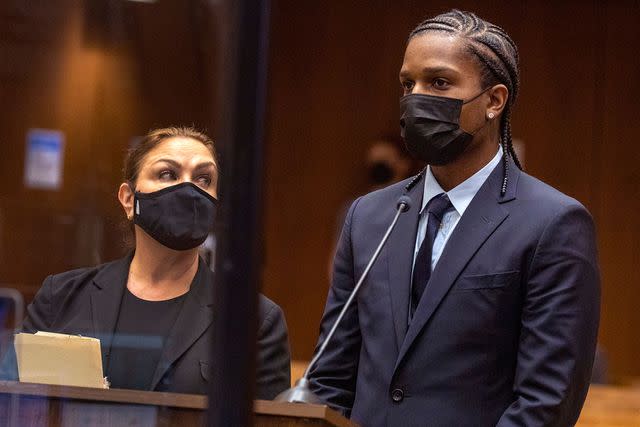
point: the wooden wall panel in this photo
(55, 82)
(618, 187)
(556, 112)
(324, 92)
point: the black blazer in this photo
(505, 332)
(86, 301)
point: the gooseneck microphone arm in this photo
(402, 206)
(301, 393)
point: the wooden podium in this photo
(39, 405)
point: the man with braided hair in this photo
(483, 307)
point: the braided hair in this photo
(497, 56)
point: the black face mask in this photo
(179, 217)
(430, 127)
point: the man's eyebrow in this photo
(439, 69)
(430, 70)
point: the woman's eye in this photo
(167, 175)
(440, 83)
(204, 180)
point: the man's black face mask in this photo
(430, 127)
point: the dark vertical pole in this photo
(243, 32)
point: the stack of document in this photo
(50, 358)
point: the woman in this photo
(152, 310)
(483, 307)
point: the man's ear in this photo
(125, 196)
(498, 98)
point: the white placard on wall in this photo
(44, 159)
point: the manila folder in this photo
(50, 358)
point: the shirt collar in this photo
(462, 194)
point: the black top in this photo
(139, 338)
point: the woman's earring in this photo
(130, 217)
(490, 116)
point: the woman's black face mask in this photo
(430, 127)
(179, 217)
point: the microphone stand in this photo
(301, 393)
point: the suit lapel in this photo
(483, 215)
(105, 299)
(400, 251)
(193, 320)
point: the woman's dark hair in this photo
(135, 156)
(497, 55)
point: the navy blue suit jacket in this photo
(505, 332)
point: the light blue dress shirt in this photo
(460, 197)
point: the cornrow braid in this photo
(498, 56)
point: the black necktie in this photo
(435, 210)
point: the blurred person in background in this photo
(387, 162)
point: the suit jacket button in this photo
(397, 395)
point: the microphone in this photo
(403, 204)
(301, 393)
